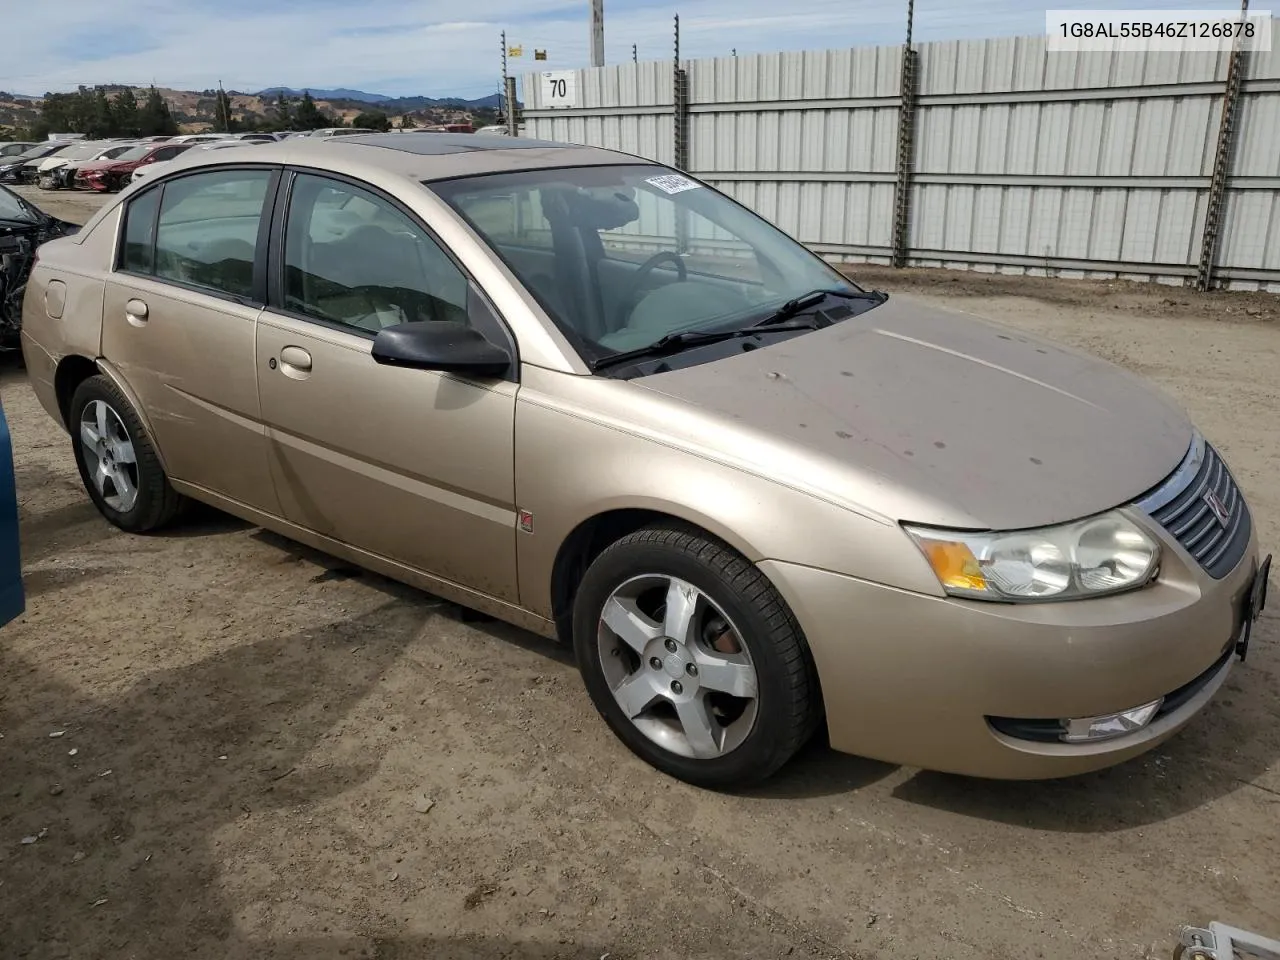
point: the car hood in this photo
(937, 417)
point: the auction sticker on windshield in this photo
(673, 183)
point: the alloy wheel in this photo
(677, 666)
(109, 456)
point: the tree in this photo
(223, 122)
(282, 113)
(124, 113)
(373, 120)
(155, 119)
(308, 115)
(99, 122)
(407, 123)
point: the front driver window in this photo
(353, 258)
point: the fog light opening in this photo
(1109, 726)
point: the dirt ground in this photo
(232, 747)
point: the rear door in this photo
(178, 324)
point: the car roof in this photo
(414, 156)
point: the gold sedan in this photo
(593, 396)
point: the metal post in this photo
(1236, 68)
(680, 100)
(906, 148)
(597, 33)
(513, 125)
(680, 113)
(502, 85)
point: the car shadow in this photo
(123, 805)
(333, 568)
(1229, 746)
(423, 948)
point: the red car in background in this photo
(115, 174)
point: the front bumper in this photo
(915, 680)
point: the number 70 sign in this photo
(559, 88)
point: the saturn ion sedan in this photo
(595, 397)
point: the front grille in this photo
(1183, 506)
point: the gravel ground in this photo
(262, 753)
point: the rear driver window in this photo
(208, 231)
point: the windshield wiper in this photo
(675, 342)
(813, 298)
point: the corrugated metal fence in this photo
(1025, 161)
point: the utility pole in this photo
(901, 241)
(633, 53)
(597, 33)
(1223, 156)
(502, 85)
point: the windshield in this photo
(35, 153)
(620, 257)
(82, 151)
(136, 153)
(12, 208)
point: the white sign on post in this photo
(560, 88)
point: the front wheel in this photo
(693, 659)
(117, 461)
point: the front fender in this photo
(585, 447)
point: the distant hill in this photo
(359, 96)
(389, 105)
(195, 110)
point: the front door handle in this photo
(136, 312)
(295, 362)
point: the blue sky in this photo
(435, 48)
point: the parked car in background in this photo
(105, 176)
(337, 132)
(63, 177)
(495, 130)
(23, 228)
(12, 167)
(200, 137)
(11, 148)
(260, 137)
(151, 169)
(51, 171)
(755, 497)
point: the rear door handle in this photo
(295, 362)
(136, 312)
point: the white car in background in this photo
(58, 172)
(150, 169)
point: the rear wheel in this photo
(117, 460)
(693, 659)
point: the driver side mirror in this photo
(450, 347)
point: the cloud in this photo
(405, 47)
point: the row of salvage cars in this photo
(106, 166)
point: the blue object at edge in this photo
(13, 601)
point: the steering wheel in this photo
(628, 302)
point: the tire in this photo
(754, 743)
(154, 502)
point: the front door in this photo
(178, 324)
(411, 465)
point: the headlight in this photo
(1101, 555)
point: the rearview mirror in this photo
(435, 345)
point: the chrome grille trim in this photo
(1180, 505)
